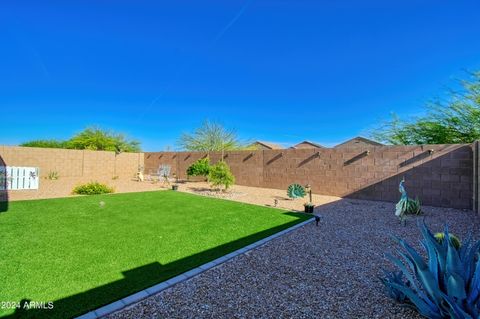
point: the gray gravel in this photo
(313, 272)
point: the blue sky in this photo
(280, 71)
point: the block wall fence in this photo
(73, 163)
(440, 175)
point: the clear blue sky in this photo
(279, 70)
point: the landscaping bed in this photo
(255, 195)
(330, 271)
(87, 251)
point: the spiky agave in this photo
(447, 285)
(413, 206)
(408, 206)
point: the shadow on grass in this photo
(142, 277)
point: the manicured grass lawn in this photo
(82, 255)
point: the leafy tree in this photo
(91, 139)
(211, 136)
(98, 139)
(220, 174)
(455, 121)
(45, 144)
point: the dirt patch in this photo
(255, 195)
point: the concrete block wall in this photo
(73, 163)
(440, 175)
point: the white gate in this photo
(17, 178)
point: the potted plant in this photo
(309, 208)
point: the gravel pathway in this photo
(314, 272)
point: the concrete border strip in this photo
(148, 292)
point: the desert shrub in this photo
(220, 175)
(92, 188)
(53, 175)
(200, 167)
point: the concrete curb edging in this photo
(138, 296)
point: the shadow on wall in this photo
(440, 175)
(443, 181)
(3, 186)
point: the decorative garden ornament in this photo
(296, 191)
(400, 208)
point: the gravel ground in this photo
(313, 272)
(255, 195)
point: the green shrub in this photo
(200, 167)
(92, 188)
(53, 175)
(220, 175)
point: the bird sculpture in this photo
(400, 208)
(296, 191)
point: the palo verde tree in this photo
(457, 120)
(97, 139)
(92, 138)
(45, 144)
(210, 137)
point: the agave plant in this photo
(447, 285)
(413, 206)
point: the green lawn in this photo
(82, 255)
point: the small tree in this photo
(209, 137)
(220, 175)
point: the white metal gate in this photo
(17, 178)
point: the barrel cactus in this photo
(447, 285)
(454, 239)
(296, 191)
